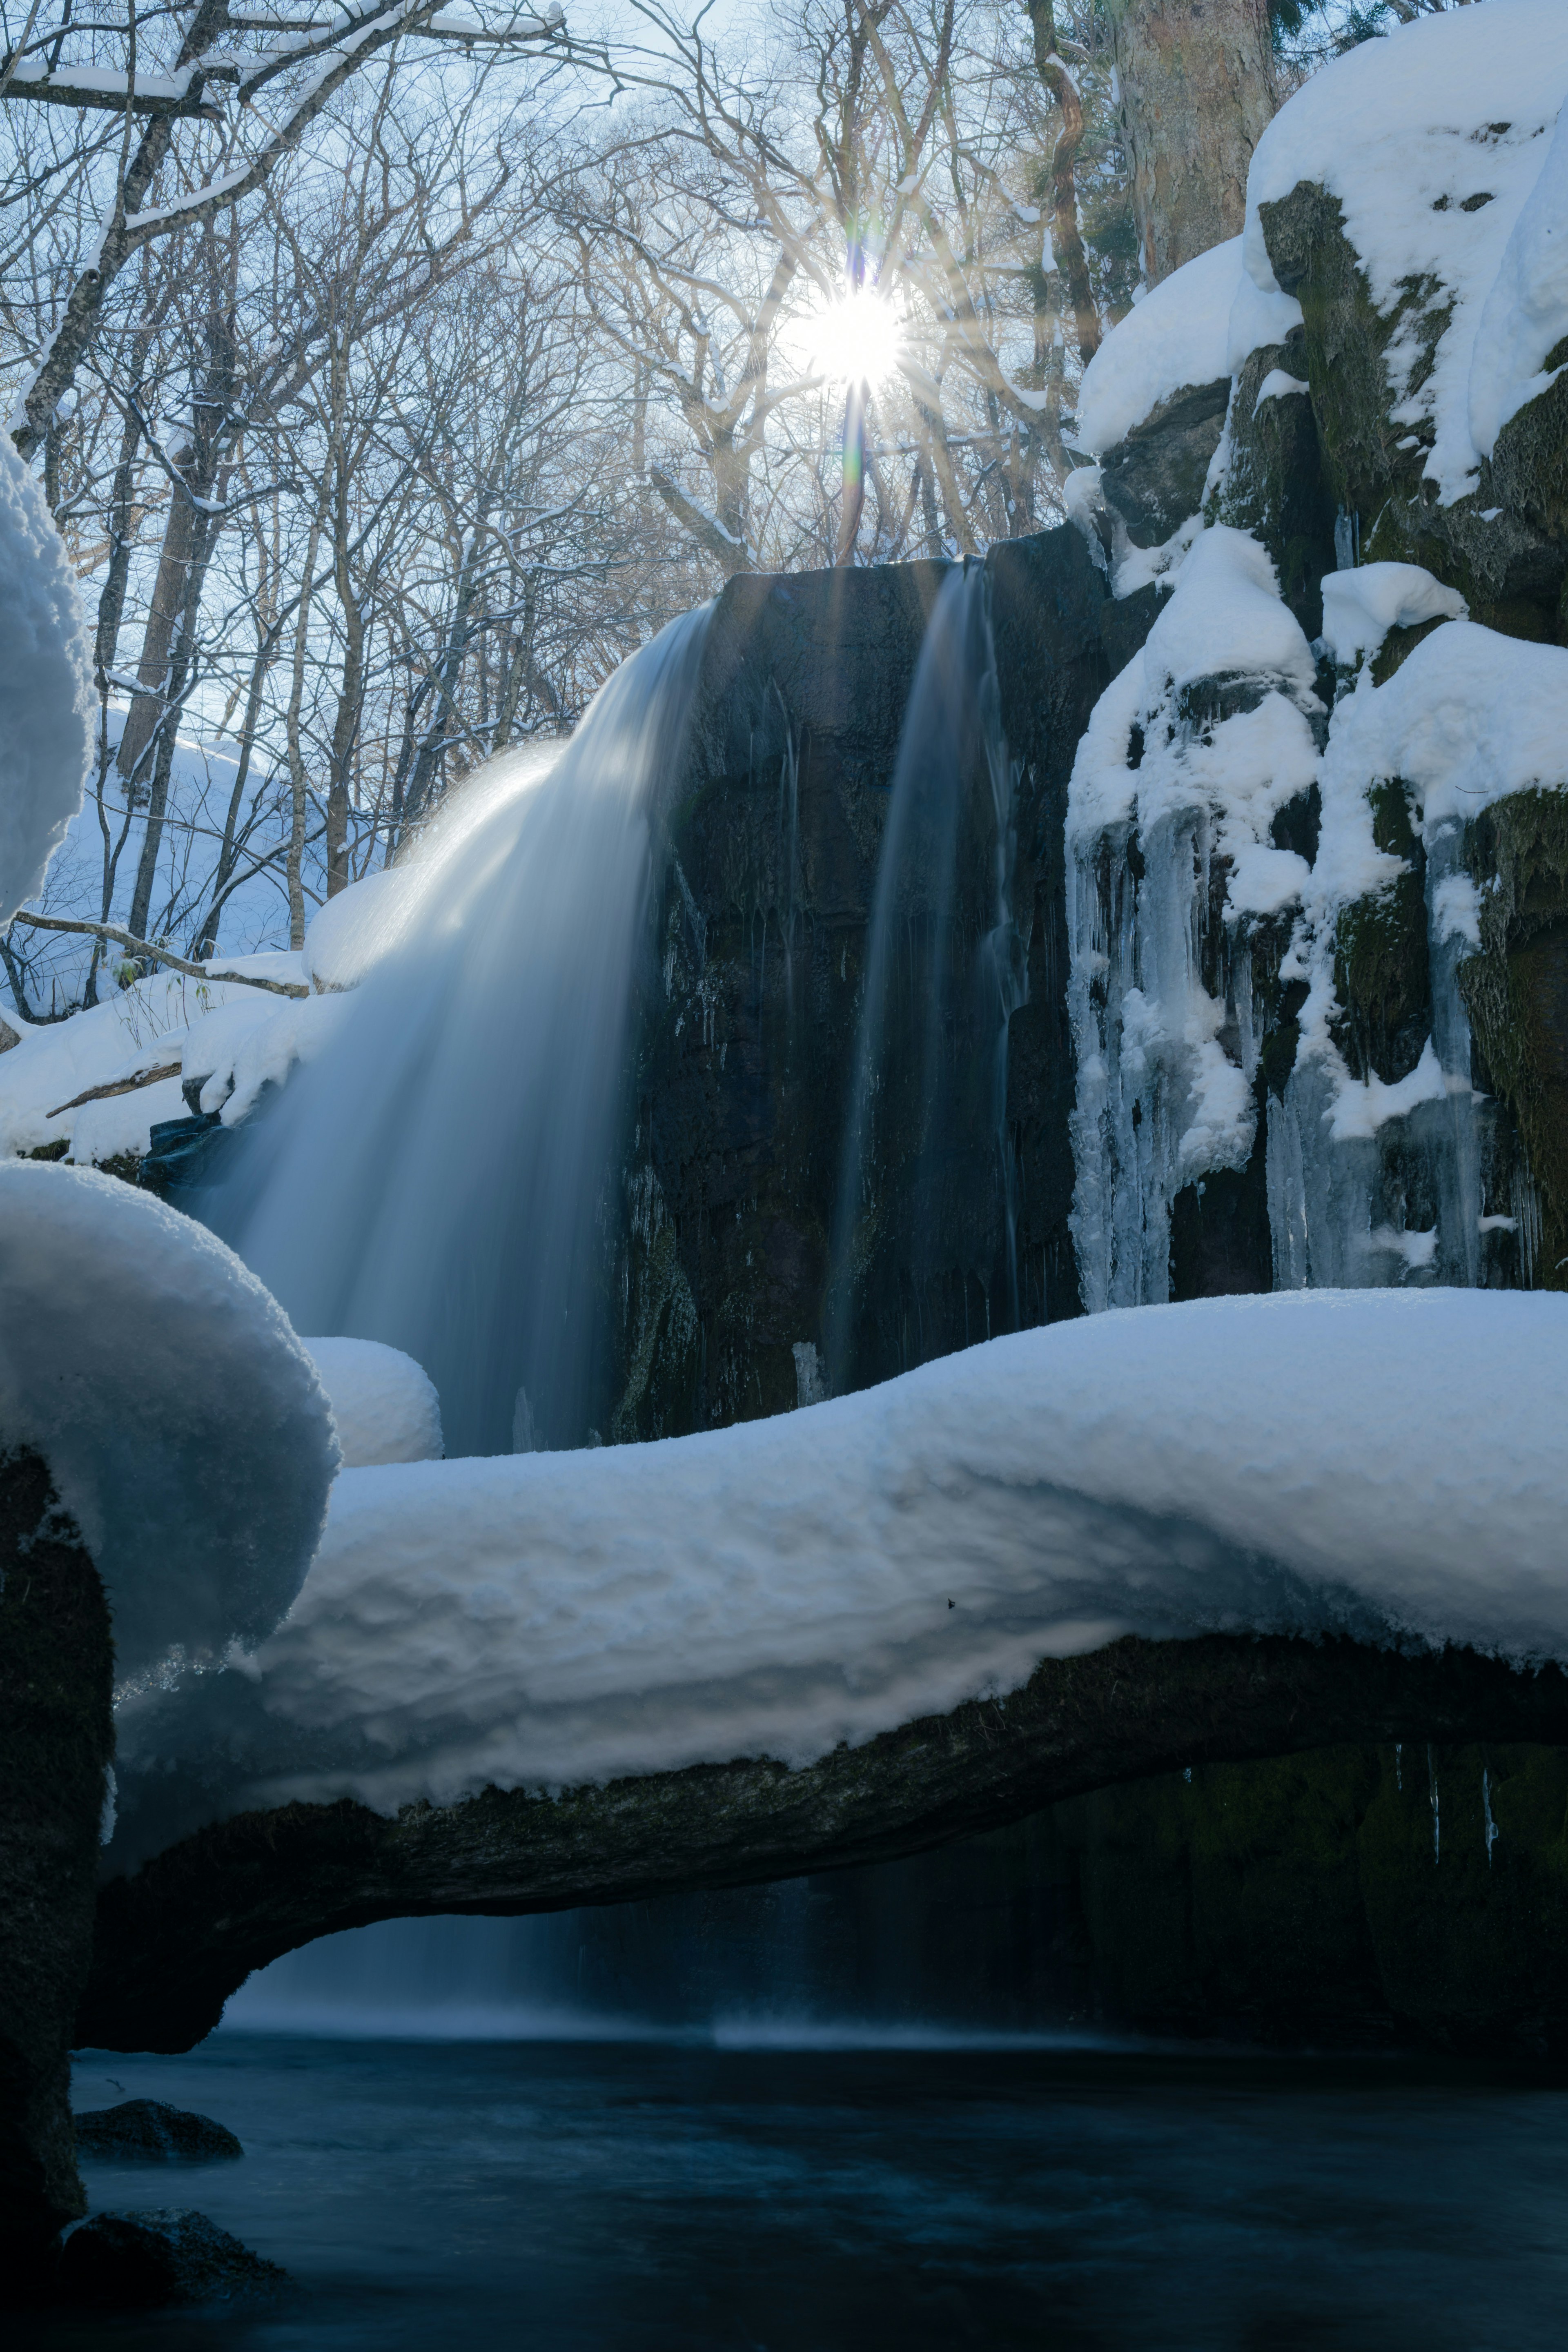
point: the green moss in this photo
(1516, 991)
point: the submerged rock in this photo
(120, 2261)
(146, 2131)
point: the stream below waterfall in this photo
(670, 2195)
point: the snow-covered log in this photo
(1078, 1555)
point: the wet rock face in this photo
(131, 2262)
(746, 1023)
(1155, 479)
(146, 2131)
(55, 1741)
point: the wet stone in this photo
(141, 2261)
(146, 2131)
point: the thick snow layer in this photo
(1359, 607)
(1388, 1466)
(1178, 335)
(1455, 111)
(1194, 327)
(46, 686)
(170, 1022)
(1526, 313)
(184, 1423)
(384, 1404)
(1469, 717)
(1225, 619)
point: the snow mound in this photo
(384, 1404)
(46, 686)
(1359, 607)
(184, 1423)
(1301, 1464)
(1436, 140)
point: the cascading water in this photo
(926, 1162)
(434, 1179)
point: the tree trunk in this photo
(298, 781)
(1197, 78)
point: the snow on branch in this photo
(134, 946)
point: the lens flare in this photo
(856, 341)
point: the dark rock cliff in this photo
(747, 1018)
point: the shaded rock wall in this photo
(747, 1017)
(56, 1741)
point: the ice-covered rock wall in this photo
(1318, 893)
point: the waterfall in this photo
(926, 1162)
(434, 1179)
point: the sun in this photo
(855, 341)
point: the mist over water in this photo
(433, 1178)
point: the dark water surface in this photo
(669, 2197)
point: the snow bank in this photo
(1407, 131)
(1388, 1466)
(167, 1023)
(384, 1404)
(46, 686)
(1359, 607)
(184, 1423)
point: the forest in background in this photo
(394, 371)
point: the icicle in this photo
(1487, 1813)
(1398, 1767)
(1437, 1823)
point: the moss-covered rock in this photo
(1409, 1893)
(1503, 545)
(1516, 992)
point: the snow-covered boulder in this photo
(184, 1424)
(385, 1406)
(46, 686)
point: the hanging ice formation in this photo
(925, 1130)
(433, 1178)
(1268, 905)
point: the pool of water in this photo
(669, 2196)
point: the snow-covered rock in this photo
(1360, 606)
(184, 1423)
(384, 1404)
(1435, 140)
(46, 686)
(1296, 1464)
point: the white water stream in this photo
(435, 1178)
